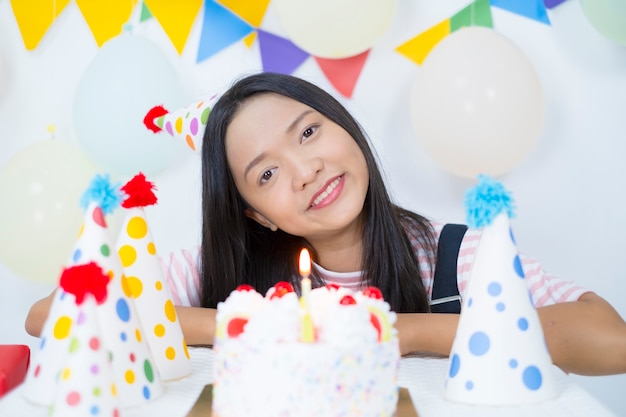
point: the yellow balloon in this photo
(40, 214)
(335, 29)
(477, 104)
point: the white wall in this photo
(569, 191)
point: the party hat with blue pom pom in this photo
(134, 373)
(499, 355)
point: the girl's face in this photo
(298, 170)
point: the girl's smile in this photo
(296, 169)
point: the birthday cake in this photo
(267, 364)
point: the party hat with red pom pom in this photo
(133, 369)
(186, 124)
(85, 384)
(499, 355)
(147, 284)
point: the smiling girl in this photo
(285, 166)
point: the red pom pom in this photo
(81, 280)
(153, 114)
(245, 287)
(139, 192)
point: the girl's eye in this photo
(266, 175)
(308, 132)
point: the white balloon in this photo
(335, 29)
(477, 104)
(128, 76)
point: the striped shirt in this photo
(181, 269)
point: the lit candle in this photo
(307, 332)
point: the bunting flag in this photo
(252, 11)
(532, 9)
(176, 18)
(417, 49)
(478, 13)
(551, 4)
(220, 28)
(249, 40)
(343, 73)
(35, 17)
(145, 13)
(279, 54)
(106, 19)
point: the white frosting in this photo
(268, 371)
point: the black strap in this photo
(445, 297)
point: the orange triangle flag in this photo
(106, 19)
(343, 73)
(176, 18)
(35, 17)
(419, 47)
(252, 11)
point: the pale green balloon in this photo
(40, 214)
(608, 17)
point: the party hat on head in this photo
(85, 384)
(499, 355)
(147, 284)
(186, 124)
(134, 372)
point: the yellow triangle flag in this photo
(176, 18)
(34, 17)
(418, 48)
(252, 11)
(106, 19)
(249, 40)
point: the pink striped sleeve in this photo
(544, 288)
(181, 271)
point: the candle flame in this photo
(305, 263)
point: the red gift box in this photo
(14, 361)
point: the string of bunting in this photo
(226, 22)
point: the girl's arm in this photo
(198, 323)
(586, 337)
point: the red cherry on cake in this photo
(245, 287)
(373, 292)
(347, 300)
(236, 326)
(332, 286)
(281, 288)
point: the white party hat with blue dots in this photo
(499, 355)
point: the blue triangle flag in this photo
(279, 54)
(533, 9)
(220, 28)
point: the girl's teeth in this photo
(327, 191)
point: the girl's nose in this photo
(305, 171)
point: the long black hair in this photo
(237, 250)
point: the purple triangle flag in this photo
(551, 4)
(220, 28)
(532, 9)
(279, 54)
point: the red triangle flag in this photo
(343, 73)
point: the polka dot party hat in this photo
(85, 384)
(133, 368)
(499, 355)
(147, 285)
(186, 124)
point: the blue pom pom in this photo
(486, 200)
(106, 195)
